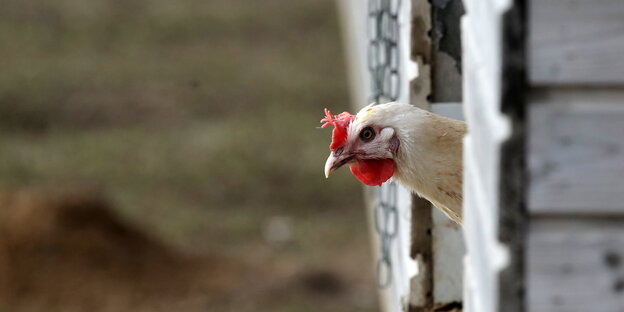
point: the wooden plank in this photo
(421, 285)
(575, 266)
(448, 251)
(479, 234)
(576, 152)
(420, 54)
(487, 29)
(576, 42)
(446, 50)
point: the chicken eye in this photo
(367, 134)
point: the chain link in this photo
(383, 64)
(383, 50)
(387, 226)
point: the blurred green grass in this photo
(215, 100)
(197, 117)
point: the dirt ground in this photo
(69, 251)
(64, 251)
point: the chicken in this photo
(421, 150)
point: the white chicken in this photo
(421, 150)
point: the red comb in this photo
(341, 123)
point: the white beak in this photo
(334, 162)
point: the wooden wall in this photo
(575, 243)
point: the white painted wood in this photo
(576, 42)
(481, 29)
(576, 144)
(470, 287)
(486, 256)
(487, 129)
(576, 266)
(448, 252)
(404, 266)
(487, 126)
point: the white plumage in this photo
(427, 158)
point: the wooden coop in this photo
(541, 85)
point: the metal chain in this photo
(383, 50)
(387, 227)
(383, 64)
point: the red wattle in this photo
(373, 171)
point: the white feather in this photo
(429, 158)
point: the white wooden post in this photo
(492, 71)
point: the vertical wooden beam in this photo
(446, 51)
(421, 296)
(512, 172)
(494, 80)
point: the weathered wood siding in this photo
(576, 265)
(576, 42)
(577, 151)
(575, 240)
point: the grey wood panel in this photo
(448, 251)
(576, 151)
(575, 266)
(576, 42)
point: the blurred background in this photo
(161, 155)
